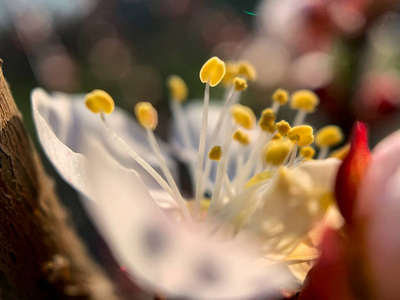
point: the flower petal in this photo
(176, 263)
(64, 127)
(378, 207)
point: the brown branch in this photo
(41, 256)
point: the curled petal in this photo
(351, 172)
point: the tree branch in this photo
(41, 255)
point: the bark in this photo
(41, 255)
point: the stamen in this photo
(99, 101)
(167, 173)
(277, 151)
(305, 101)
(246, 70)
(267, 120)
(230, 74)
(241, 137)
(178, 88)
(221, 171)
(341, 153)
(136, 157)
(307, 152)
(280, 97)
(283, 127)
(215, 153)
(178, 94)
(302, 135)
(327, 137)
(240, 84)
(211, 73)
(243, 116)
(146, 115)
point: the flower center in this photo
(250, 156)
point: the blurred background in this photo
(347, 51)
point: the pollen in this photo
(243, 116)
(240, 84)
(212, 71)
(215, 153)
(281, 96)
(277, 152)
(241, 137)
(307, 152)
(177, 87)
(283, 127)
(246, 70)
(146, 115)
(277, 136)
(302, 134)
(305, 100)
(230, 74)
(99, 101)
(267, 120)
(329, 136)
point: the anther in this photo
(246, 70)
(280, 96)
(304, 100)
(212, 71)
(146, 115)
(241, 137)
(307, 152)
(277, 151)
(243, 116)
(267, 120)
(177, 87)
(230, 74)
(303, 135)
(240, 84)
(215, 153)
(328, 136)
(341, 153)
(283, 127)
(99, 101)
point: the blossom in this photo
(365, 263)
(269, 198)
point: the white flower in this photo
(232, 247)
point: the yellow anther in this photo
(231, 72)
(277, 137)
(277, 151)
(215, 153)
(281, 96)
(305, 100)
(307, 152)
(146, 115)
(212, 71)
(329, 136)
(283, 127)
(302, 134)
(243, 116)
(241, 137)
(341, 153)
(99, 101)
(240, 84)
(177, 87)
(246, 70)
(267, 120)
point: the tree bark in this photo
(41, 255)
